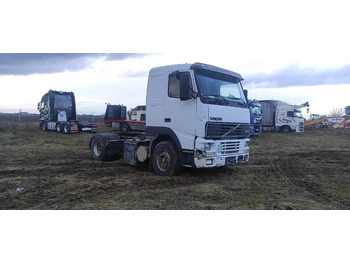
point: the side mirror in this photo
(185, 87)
(175, 73)
(245, 92)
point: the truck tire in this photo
(66, 129)
(285, 129)
(124, 127)
(98, 149)
(165, 160)
(43, 126)
(59, 127)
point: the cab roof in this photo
(170, 68)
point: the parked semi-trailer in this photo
(282, 117)
(197, 116)
(58, 112)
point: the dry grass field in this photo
(285, 171)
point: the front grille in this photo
(257, 126)
(230, 147)
(226, 130)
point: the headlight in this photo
(246, 148)
(207, 146)
(209, 162)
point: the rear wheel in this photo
(124, 127)
(66, 129)
(165, 159)
(98, 149)
(59, 127)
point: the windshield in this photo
(64, 102)
(218, 88)
(298, 114)
(255, 110)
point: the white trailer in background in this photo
(282, 117)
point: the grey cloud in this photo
(135, 74)
(43, 63)
(294, 75)
(123, 56)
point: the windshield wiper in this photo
(223, 98)
(239, 99)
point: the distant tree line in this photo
(337, 112)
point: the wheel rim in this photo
(285, 130)
(43, 127)
(66, 129)
(58, 128)
(163, 160)
(97, 149)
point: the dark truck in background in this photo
(255, 117)
(58, 112)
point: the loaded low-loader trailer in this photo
(134, 120)
(58, 113)
(197, 116)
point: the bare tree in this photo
(336, 112)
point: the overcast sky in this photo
(293, 51)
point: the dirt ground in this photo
(310, 170)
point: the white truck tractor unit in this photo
(280, 116)
(197, 116)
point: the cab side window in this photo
(174, 85)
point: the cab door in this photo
(179, 115)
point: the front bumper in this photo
(255, 129)
(215, 153)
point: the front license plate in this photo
(230, 161)
(86, 129)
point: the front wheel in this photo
(165, 159)
(285, 129)
(43, 126)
